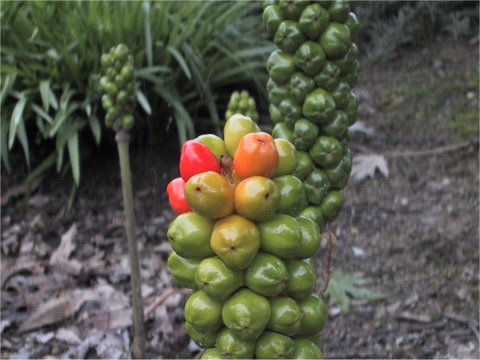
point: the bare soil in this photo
(415, 234)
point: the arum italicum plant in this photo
(118, 101)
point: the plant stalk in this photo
(332, 240)
(138, 348)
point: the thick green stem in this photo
(138, 348)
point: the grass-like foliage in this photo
(184, 54)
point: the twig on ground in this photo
(408, 316)
(407, 153)
(434, 151)
(162, 298)
(472, 324)
(328, 265)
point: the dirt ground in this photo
(415, 234)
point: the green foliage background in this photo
(185, 54)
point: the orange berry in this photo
(256, 155)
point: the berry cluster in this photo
(240, 242)
(119, 87)
(242, 103)
(311, 103)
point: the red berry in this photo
(197, 158)
(176, 196)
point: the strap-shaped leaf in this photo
(148, 33)
(45, 92)
(7, 87)
(96, 128)
(181, 61)
(17, 118)
(3, 144)
(142, 99)
(22, 138)
(42, 113)
(74, 154)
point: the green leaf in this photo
(151, 70)
(65, 110)
(45, 93)
(46, 164)
(142, 99)
(63, 136)
(7, 87)
(96, 128)
(343, 287)
(148, 33)
(42, 113)
(181, 61)
(3, 144)
(17, 118)
(191, 50)
(182, 118)
(74, 153)
(8, 69)
(22, 137)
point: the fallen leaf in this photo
(57, 309)
(21, 354)
(21, 264)
(79, 352)
(334, 311)
(112, 320)
(360, 127)
(27, 243)
(66, 247)
(72, 267)
(112, 346)
(42, 338)
(111, 309)
(68, 335)
(4, 324)
(365, 166)
(358, 251)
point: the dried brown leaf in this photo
(68, 335)
(365, 166)
(112, 320)
(57, 309)
(66, 247)
(21, 264)
(113, 346)
(4, 324)
(42, 338)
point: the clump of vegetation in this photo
(184, 54)
(388, 26)
(242, 103)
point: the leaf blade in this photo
(74, 154)
(17, 117)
